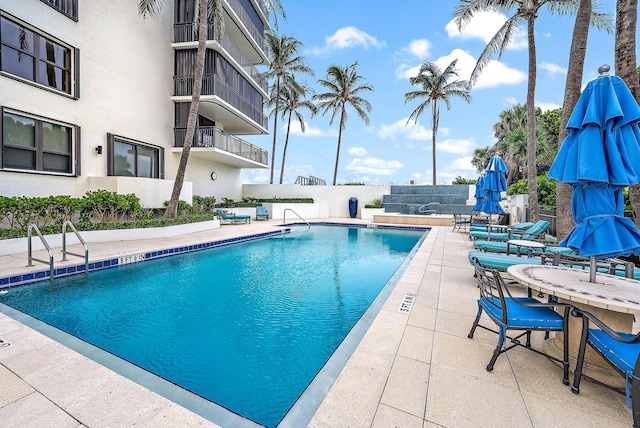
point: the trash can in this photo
(353, 207)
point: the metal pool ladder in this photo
(284, 219)
(30, 257)
(84, 244)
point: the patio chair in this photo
(518, 313)
(460, 222)
(534, 232)
(234, 218)
(262, 212)
(621, 350)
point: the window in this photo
(129, 158)
(66, 7)
(35, 144)
(35, 57)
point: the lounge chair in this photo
(526, 314)
(484, 227)
(534, 232)
(262, 212)
(500, 262)
(501, 247)
(621, 350)
(234, 218)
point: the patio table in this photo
(519, 243)
(611, 298)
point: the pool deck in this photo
(415, 369)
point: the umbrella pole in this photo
(592, 269)
(489, 228)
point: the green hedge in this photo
(21, 232)
(96, 210)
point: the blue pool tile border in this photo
(38, 276)
(43, 275)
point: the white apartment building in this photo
(93, 97)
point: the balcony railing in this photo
(186, 32)
(212, 85)
(69, 8)
(257, 35)
(213, 137)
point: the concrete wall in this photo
(333, 201)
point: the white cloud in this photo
(462, 164)
(547, 106)
(419, 48)
(374, 166)
(483, 26)
(494, 74)
(396, 130)
(462, 146)
(553, 68)
(510, 101)
(357, 151)
(309, 131)
(347, 37)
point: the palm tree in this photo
(436, 87)
(284, 58)
(625, 66)
(206, 9)
(292, 99)
(510, 119)
(526, 11)
(343, 85)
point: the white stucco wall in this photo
(333, 201)
(126, 84)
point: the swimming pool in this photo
(247, 326)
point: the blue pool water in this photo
(246, 326)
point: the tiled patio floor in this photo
(410, 370)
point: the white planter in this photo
(368, 213)
(19, 245)
(304, 210)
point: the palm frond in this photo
(149, 8)
(498, 44)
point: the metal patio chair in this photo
(525, 314)
(262, 212)
(621, 350)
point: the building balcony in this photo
(216, 145)
(186, 33)
(221, 103)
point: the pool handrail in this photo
(84, 245)
(284, 216)
(30, 257)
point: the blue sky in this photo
(390, 42)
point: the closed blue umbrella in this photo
(599, 158)
(495, 182)
(479, 194)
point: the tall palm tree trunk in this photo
(625, 66)
(335, 171)
(434, 134)
(564, 219)
(534, 209)
(284, 149)
(172, 208)
(275, 129)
